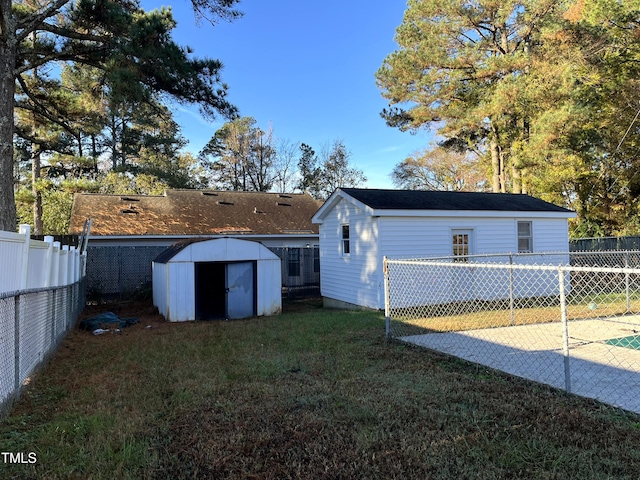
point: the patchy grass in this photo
(312, 393)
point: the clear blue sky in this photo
(307, 68)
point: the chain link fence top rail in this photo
(32, 324)
(571, 320)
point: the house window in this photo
(346, 245)
(525, 237)
(293, 261)
(461, 244)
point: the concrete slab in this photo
(593, 368)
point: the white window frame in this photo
(458, 257)
(345, 241)
(528, 238)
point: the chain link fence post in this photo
(565, 329)
(387, 312)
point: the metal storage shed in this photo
(223, 278)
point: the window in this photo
(346, 246)
(525, 237)
(460, 246)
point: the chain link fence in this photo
(119, 272)
(570, 320)
(32, 324)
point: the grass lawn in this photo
(310, 394)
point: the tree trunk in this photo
(38, 228)
(495, 166)
(7, 88)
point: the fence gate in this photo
(574, 325)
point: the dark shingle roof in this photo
(437, 200)
(194, 212)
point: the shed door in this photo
(240, 290)
(224, 290)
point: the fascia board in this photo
(468, 213)
(335, 197)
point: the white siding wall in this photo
(355, 278)
(358, 278)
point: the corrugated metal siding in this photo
(181, 294)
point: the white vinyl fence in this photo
(42, 292)
(570, 320)
(27, 263)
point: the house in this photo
(358, 227)
(223, 278)
(129, 231)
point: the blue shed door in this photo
(240, 290)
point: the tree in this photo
(336, 171)
(459, 68)
(284, 165)
(309, 171)
(240, 156)
(133, 49)
(439, 169)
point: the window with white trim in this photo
(346, 243)
(461, 243)
(525, 237)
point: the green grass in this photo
(312, 393)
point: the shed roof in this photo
(195, 212)
(379, 201)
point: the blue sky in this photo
(307, 68)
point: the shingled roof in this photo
(438, 200)
(195, 212)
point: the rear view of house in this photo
(359, 227)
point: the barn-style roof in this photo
(430, 202)
(195, 212)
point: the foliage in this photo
(439, 169)
(113, 61)
(543, 92)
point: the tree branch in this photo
(30, 23)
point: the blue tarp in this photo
(107, 319)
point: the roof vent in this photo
(210, 194)
(128, 210)
(129, 199)
(222, 202)
(282, 195)
(281, 204)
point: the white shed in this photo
(223, 278)
(358, 227)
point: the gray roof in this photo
(436, 200)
